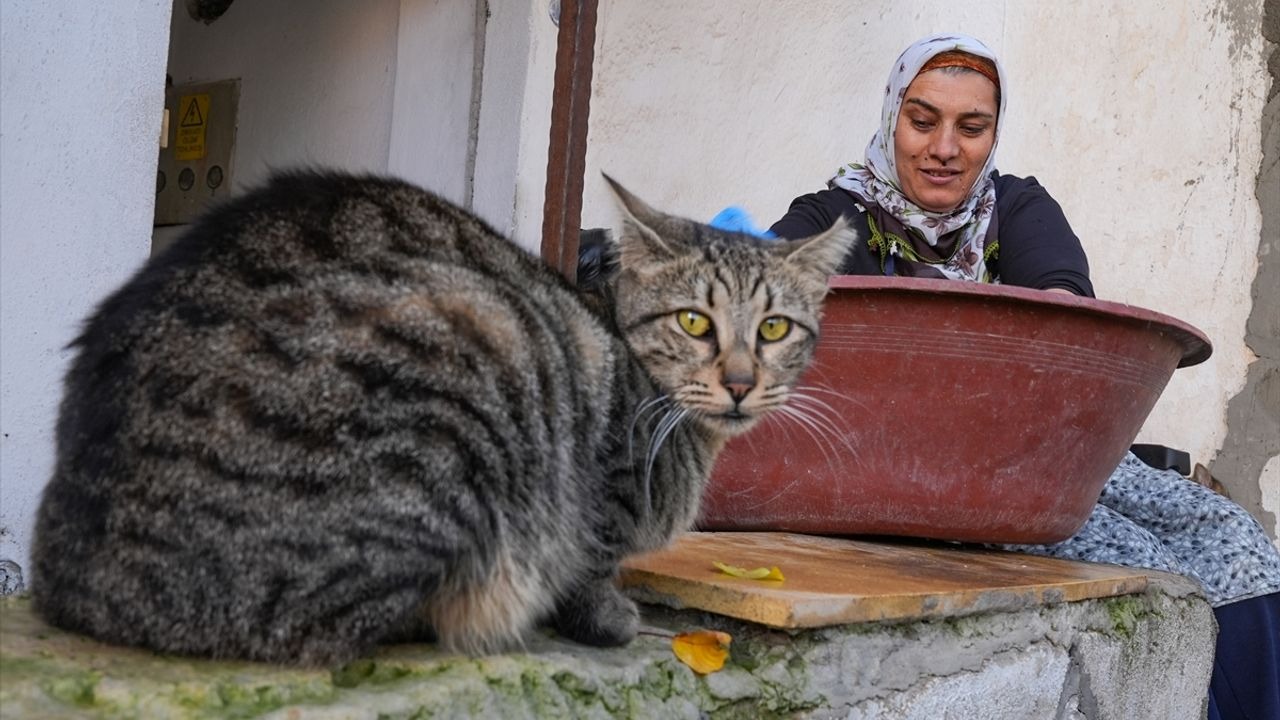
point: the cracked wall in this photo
(1249, 463)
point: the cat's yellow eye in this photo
(694, 323)
(774, 329)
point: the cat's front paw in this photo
(597, 614)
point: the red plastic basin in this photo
(955, 411)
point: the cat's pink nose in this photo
(738, 391)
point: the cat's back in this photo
(326, 283)
(306, 226)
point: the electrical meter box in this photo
(195, 167)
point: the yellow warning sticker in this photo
(193, 119)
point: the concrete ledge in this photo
(1136, 656)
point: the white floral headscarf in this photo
(955, 243)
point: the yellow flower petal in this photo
(760, 573)
(704, 650)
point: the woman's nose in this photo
(944, 146)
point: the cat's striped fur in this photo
(341, 410)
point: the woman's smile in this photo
(939, 176)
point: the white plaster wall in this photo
(317, 80)
(81, 98)
(431, 117)
(515, 118)
(1153, 155)
(535, 127)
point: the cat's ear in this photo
(822, 254)
(639, 243)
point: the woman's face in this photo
(945, 130)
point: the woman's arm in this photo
(814, 213)
(1037, 246)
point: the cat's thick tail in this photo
(491, 612)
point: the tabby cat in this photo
(341, 410)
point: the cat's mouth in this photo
(733, 421)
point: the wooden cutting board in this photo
(833, 581)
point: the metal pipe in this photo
(566, 154)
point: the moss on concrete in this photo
(1126, 612)
(50, 673)
(47, 673)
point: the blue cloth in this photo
(737, 219)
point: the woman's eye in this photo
(774, 329)
(694, 322)
(921, 124)
(973, 130)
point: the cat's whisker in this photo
(779, 420)
(811, 429)
(843, 397)
(813, 401)
(775, 391)
(827, 417)
(815, 409)
(773, 401)
(819, 431)
(648, 406)
(665, 427)
(649, 410)
(803, 394)
(823, 389)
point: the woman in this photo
(930, 201)
(928, 197)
